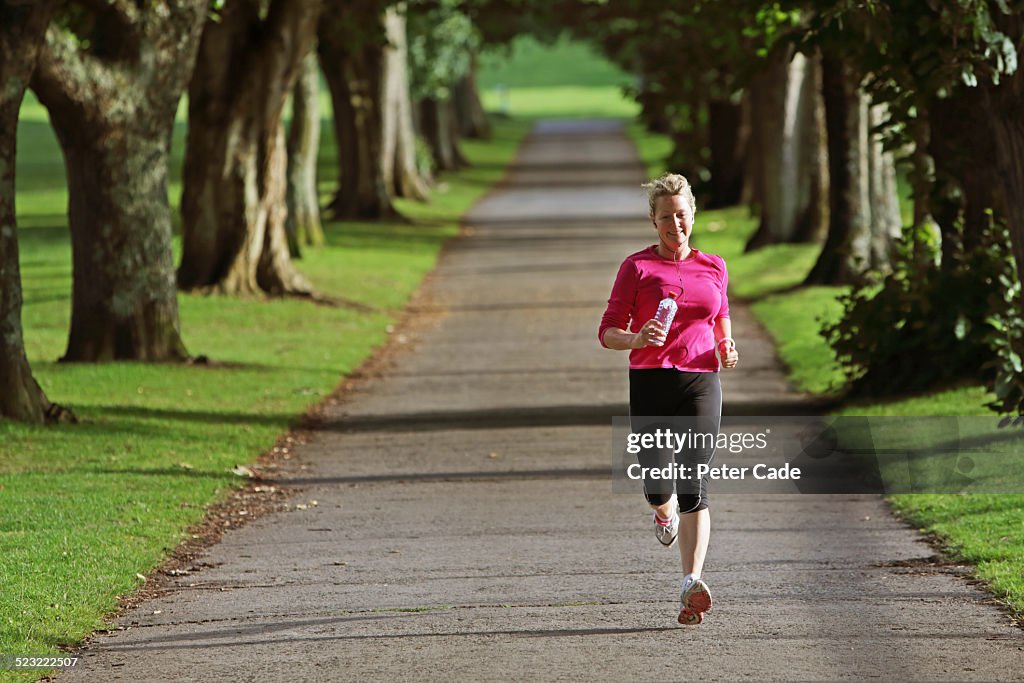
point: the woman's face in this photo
(673, 221)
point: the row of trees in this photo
(801, 108)
(804, 108)
(111, 74)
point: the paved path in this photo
(466, 528)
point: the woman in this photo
(674, 371)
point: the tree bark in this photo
(1009, 133)
(22, 30)
(234, 199)
(883, 197)
(923, 173)
(302, 224)
(437, 121)
(398, 149)
(791, 152)
(351, 51)
(753, 182)
(864, 219)
(469, 110)
(1003, 104)
(112, 104)
(963, 147)
(728, 136)
(844, 254)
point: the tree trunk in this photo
(883, 202)
(398, 149)
(812, 222)
(22, 30)
(113, 111)
(1003, 104)
(753, 178)
(1008, 129)
(353, 67)
(966, 182)
(469, 110)
(728, 138)
(864, 216)
(438, 124)
(845, 253)
(923, 171)
(234, 199)
(303, 221)
(1009, 132)
(791, 152)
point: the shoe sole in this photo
(687, 617)
(696, 600)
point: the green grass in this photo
(563, 79)
(810, 361)
(85, 508)
(526, 63)
(986, 530)
(557, 101)
(652, 149)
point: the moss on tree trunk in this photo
(112, 90)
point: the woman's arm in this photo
(651, 334)
(724, 343)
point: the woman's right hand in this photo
(651, 334)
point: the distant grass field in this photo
(564, 79)
(986, 530)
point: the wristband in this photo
(725, 339)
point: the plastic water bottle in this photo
(667, 308)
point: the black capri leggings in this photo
(668, 392)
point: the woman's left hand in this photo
(727, 352)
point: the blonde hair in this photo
(668, 185)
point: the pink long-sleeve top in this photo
(644, 279)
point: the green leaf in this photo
(962, 328)
(1015, 361)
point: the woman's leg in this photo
(654, 393)
(694, 535)
(705, 403)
